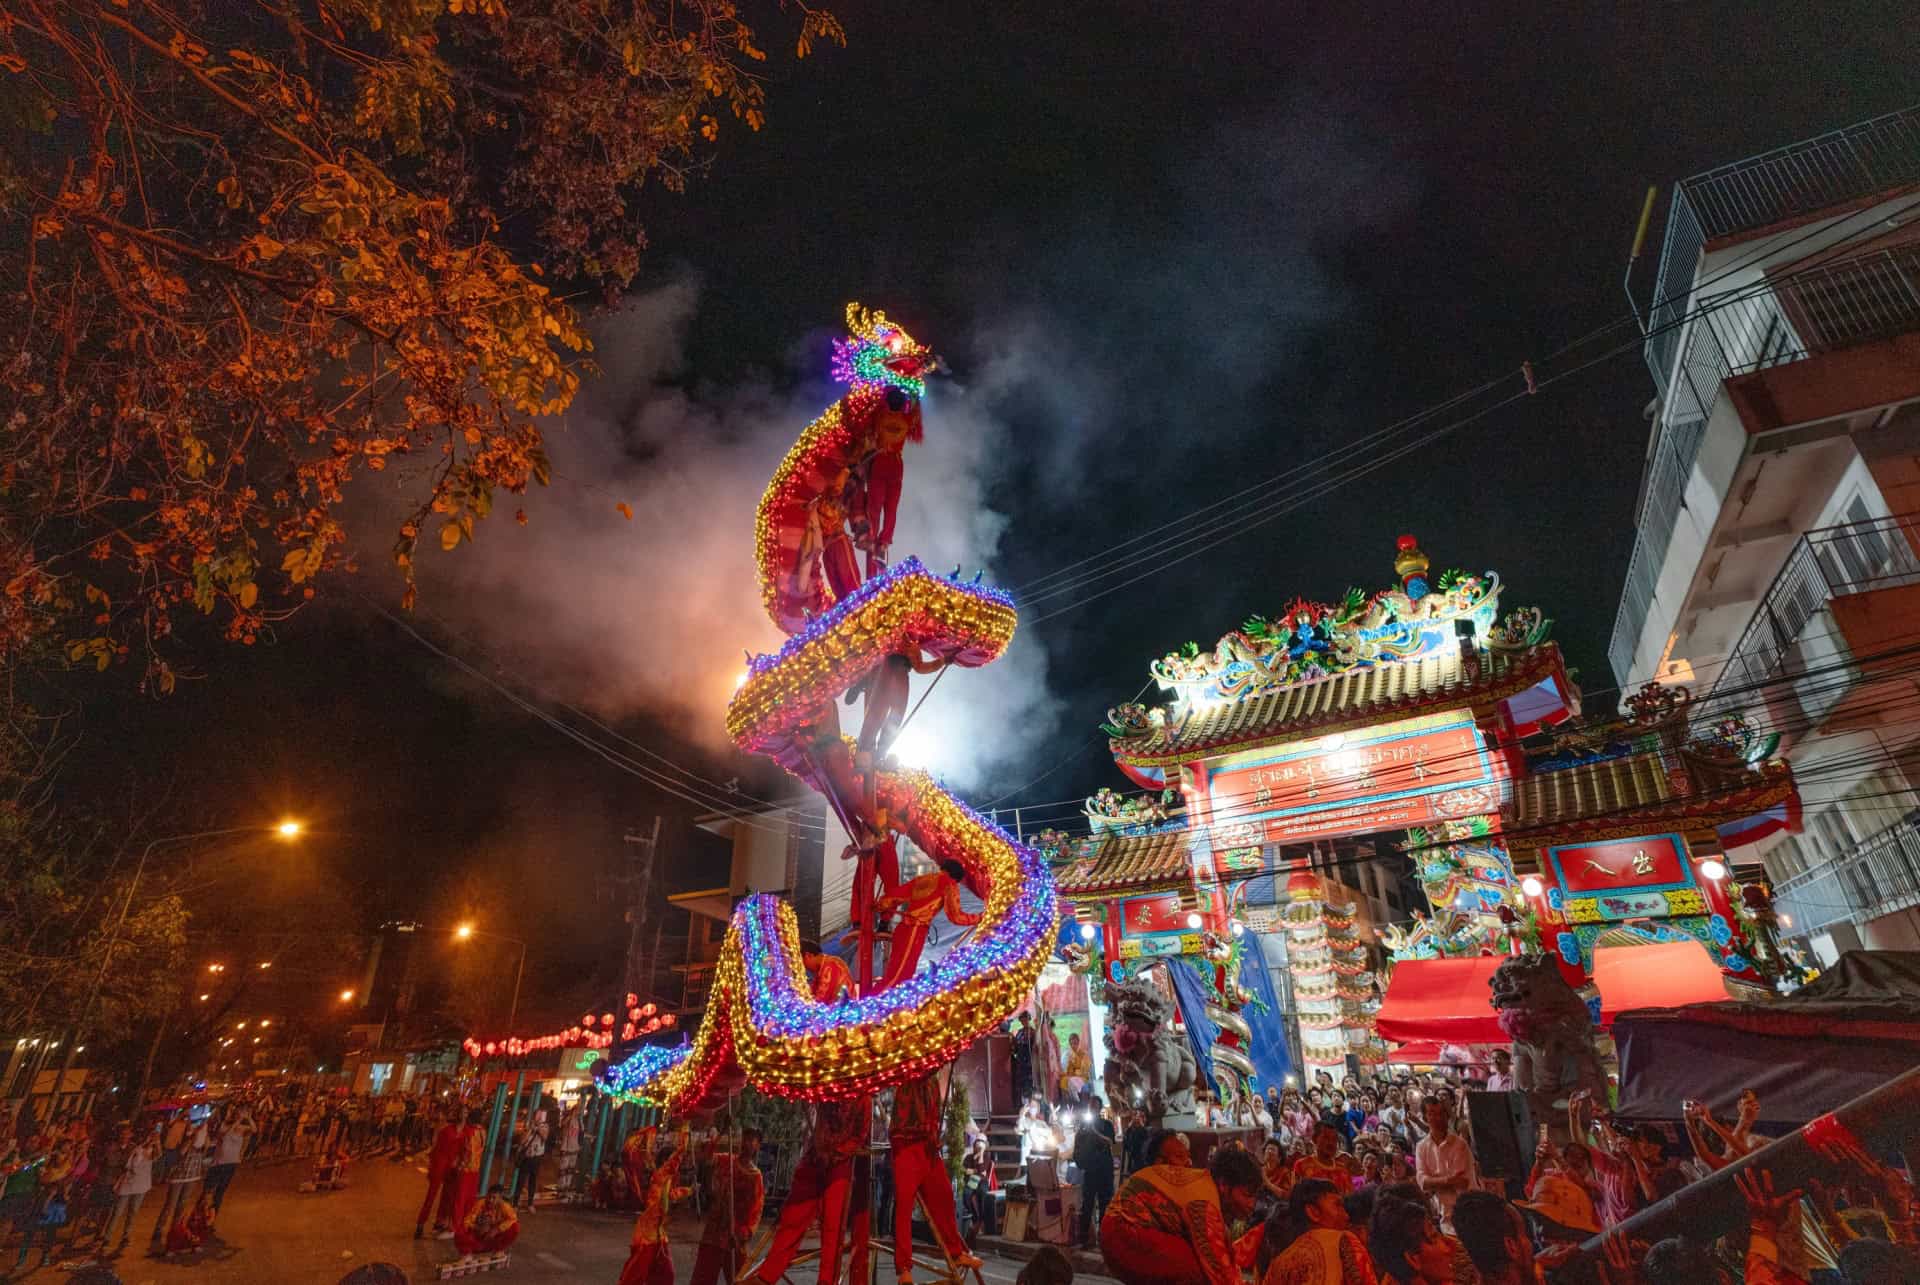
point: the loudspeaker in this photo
(1503, 1133)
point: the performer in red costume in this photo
(896, 423)
(490, 1226)
(636, 1155)
(821, 1186)
(831, 978)
(735, 1194)
(826, 539)
(920, 1172)
(918, 902)
(886, 691)
(440, 1188)
(650, 1260)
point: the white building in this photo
(1775, 569)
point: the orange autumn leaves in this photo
(285, 248)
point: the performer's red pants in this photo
(1138, 1255)
(919, 1171)
(713, 1264)
(439, 1188)
(886, 473)
(843, 572)
(819, 1192)
(903, 951)
(466, 1190)
(649, 1264)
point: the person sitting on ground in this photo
(1311, 1241)
(1494, 1236)
(1167, 1225)
(1406, 1245)
(1327, 1163)
(490, 1226)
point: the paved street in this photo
(271, 1232)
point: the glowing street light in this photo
(467, 932)
(290, 829)
(346, 997)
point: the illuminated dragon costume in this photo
(763, 1024)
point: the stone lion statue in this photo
(1149, 1066)
(1553, 1047)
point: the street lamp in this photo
(466, 932)
(290, 829)
(346, 997)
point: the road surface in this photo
(270, 1233)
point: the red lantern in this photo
(632, 999)
(606, 1019)
(587, 1021)
(491, 1046)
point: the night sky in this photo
(1223, 240)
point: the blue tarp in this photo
(1192, 994)
(1271, 1061)
(1271, 1057)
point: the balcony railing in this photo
(1823, 564)
(1781, 319)
(1876, 877)
(1787, 182)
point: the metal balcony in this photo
(1788, 182)
(1787, 318)
(1787, 642)
(1876, 877)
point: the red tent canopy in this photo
(1665, 975)
(1418, 1053)
(1445, 1000)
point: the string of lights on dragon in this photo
(762, 1024)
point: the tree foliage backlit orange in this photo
(249, 248)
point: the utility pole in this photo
(642, 856)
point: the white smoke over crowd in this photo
(1106, 364)
(653, 614)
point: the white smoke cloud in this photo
(653, 615)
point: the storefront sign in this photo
(1422, 770)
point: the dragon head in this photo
(878, 354)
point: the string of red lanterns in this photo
(592, 1033)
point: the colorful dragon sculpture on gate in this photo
(836, 491)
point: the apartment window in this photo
(1829, 829)
(1859, 555)
(1785, 860)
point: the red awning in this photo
(1660, 975)
(1418, 1053)
(1443, 1000)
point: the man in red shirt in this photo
(918, 902)
(735, 1193)
(920, 1172)
(446, 1145)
